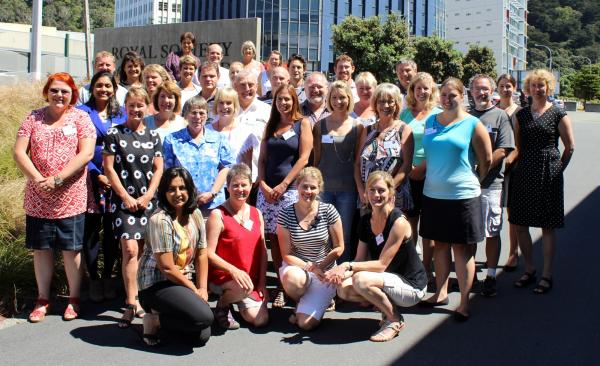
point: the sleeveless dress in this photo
(387, 157)
(240, 247)
(536, 188)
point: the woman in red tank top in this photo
(237, 254)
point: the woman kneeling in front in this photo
(395, 275)
(176, 238)
(304, 229)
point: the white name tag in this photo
(379, 239)
(69, 130)
(210, 153)
(393, 144)
(431, 130)
(288, 135)
(327, 139)
(248, 225)
(489, 128)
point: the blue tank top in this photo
(450, 160)
(282, 154)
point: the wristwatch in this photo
(350, 266)
(213, 194)
(58, 181)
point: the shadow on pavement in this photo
(518, 327)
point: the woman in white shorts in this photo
(394, 276)
(304, 230)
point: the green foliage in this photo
(373, 45)
(65, 15)
(437, 57)
(566, 83)
(586, 83)
(568, 27)
(479, 60)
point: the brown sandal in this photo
(128, 316)
(279, 299)
(388, 331)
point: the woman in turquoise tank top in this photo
(451, 207)
(421, 101)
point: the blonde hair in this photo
(187, 60)
(387, 90)
(250, 45)
(342, 87)
(540, 74)
(411, 100)
(138, 92)
(171, 88)
(157, 69)
(385, 177)
(311, 172)
(227, 94)
(103, 54)
(366, 77)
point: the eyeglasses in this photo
(62, 91)
(388, 102)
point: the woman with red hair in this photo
(53, 146)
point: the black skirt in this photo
(452, 221)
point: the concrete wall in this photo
(154, 42)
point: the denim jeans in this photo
(345, 204)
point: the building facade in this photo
(129, 13)
(304, 26)
(498, 24)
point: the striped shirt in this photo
(310, 245)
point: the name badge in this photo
(248, 225)
(430, 130)
(393, 144)
(489, 128)
(69, 130)
(327, 139)
(379, 239)
(210, 153)
(288, 135)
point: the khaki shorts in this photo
(491, 209)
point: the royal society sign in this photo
(154, 42)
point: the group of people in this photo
(192, 175)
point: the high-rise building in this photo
(130, 13)
(304, 26)
(498, 24)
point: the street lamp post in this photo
(585, 58)
(549, 51)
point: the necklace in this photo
(240, 219)
(337, 155)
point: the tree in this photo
(373, 45)
(15, 11)
(437, 57)
(479, 60)
(586, 83)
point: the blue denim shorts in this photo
(59, 234)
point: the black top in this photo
(282, 153)
(406, 262)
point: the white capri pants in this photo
(317, 297)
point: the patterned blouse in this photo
(166, 235)
(202, 159)
(50, 150)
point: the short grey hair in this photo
(407, 61)
(239, 170)
(482, 76)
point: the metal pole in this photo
(88, 43)
(549, 50)
(35, 64)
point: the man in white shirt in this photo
(405, 70)
(104, 61)
(279, 76)
(215, 54)
(254, 114)
(209, 76)
(344, 68)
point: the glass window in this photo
(313, 54)
(304, 4)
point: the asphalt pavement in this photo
(516, 327)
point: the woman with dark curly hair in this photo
(105, 112)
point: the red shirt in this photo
(239, 247)
(50, 150)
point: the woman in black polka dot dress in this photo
(133, 163)
(536, 187)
